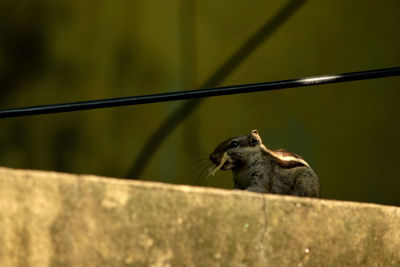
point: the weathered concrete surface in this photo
(53, 219)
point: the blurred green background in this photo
(65, 51)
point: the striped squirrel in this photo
(259, 169)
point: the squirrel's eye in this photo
(233, 144)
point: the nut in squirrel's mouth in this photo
(225, 164)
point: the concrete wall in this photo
(54, 219)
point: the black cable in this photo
(218, 91)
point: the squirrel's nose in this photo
(214, 159)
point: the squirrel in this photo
(258, 169)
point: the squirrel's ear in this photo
(255, 138)
(255, 132)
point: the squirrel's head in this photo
(227, 155)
